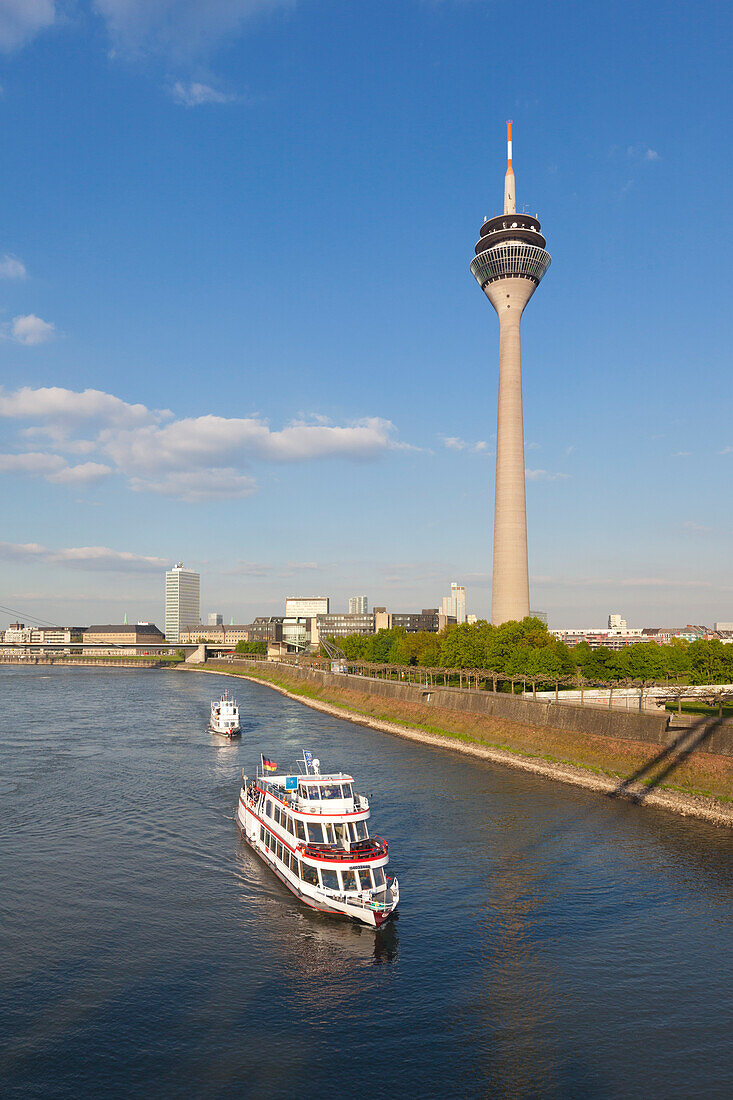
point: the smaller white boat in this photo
(225, 717)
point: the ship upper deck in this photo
(331, 795)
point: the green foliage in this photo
(526, 648)
(710, 662)
(251, 647)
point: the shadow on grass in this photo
(672, 756)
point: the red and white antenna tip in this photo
(509, 142)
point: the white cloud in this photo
(21, 20)
(52, 467)
(194, 459)
(641, 152)
(83, 557)
(69, 408)
(181, 28)
(544, 475)
(209, 440)
(195, 94)
(31, 330)
(681, 454)
(455, 443)
(198, 486)
(688, 525)
(32, 462)
(10, 266)
(623, 582)
(81, 474)
(272, 569)
(726, 450)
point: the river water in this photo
(550, 943)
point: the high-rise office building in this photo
(358, 605)
(509, 264)
(182, 601)
(215, 619)
(458, 601)
(454, 606)
(306, 607)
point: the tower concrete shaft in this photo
(509, 264)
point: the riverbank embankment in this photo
(662, 766)
(88, 662)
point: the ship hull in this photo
(248, 825)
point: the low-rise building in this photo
(340, 625)
(55, 637)
(223, 634)
(123, 638)
(597, 637)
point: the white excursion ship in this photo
(312, 831)
(225, 716)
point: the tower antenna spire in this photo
(510, 201)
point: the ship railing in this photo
(374, 848)
(369, 899)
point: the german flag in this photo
(268, 765)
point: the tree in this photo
(251, 647)
(465, 646)
(710, 662)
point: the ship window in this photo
(296, 867)
(365, 878)
(262, 833)
(300, 829)
(340, 830)
(268, 808)
(331, 790)
(378, 873)
(310, 874)
(361, 830)
(348, 790)
(349, 879)
(303, 790)
(314, 793)
(287, 823)
(276, 813)
(315, 834)
(328, 830)
(279, 850)
(330, 880)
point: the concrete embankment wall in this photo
(649, 728)
(627, 726)
(81, 662)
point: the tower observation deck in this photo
(510, 261)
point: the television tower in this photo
(509, 264)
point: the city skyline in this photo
(167, 394)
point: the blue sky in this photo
(246, 227)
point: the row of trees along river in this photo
(528, 649)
